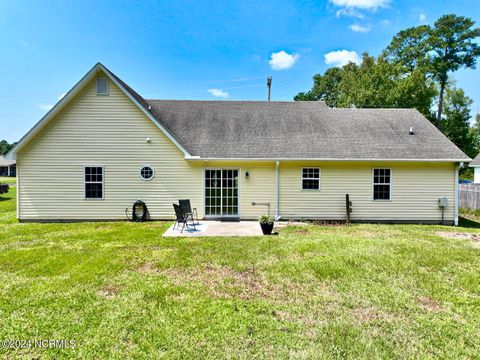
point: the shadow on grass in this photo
(4, 199)
(468, 223)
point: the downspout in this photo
(455, 206)
(277, 189)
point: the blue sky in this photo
(194, 49)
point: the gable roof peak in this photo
(127, 90)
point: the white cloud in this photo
(361, 4)
(360, 28)
(218, 93)
(282, 60)
(349, 12)
(45, 106)
(422, 17)
(341, 57)
(60, 97)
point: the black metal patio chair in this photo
(187, 209)
(181, 218)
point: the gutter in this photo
(458, 166)
(277, 190)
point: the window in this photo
(311, 179)
(93, 182)
(102, 86)
(382, 183)
(147, 173)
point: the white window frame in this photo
(319, 178)
(389, 184)
(93, 182)
(108, 86)
(140, 172)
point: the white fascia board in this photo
(66, 99)
(198, 158)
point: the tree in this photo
(457, 120)
(325, 88)
(475, 134)
(453, 46)
(410, 47)
(375, 83)
(446, 47)
(5, 147)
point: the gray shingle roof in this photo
(476, 161)
(298, 130)
(301, 130)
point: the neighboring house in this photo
(103, 146)
(476, 169)
(7, 167)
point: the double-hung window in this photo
(311, 179)
(382, 184)
(93, 182)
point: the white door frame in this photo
(238, 193)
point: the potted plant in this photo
(266, 223)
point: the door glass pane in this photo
(221, 192)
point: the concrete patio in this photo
(218, 228)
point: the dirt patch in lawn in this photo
(430, 304)
(148, 268)
(225, 282)
(475, 238)
(332, 223)
(301, 231)
(222, 281)
(108, 291)
(366, 314)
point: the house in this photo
(476, 169)
(7, 167)
(103, 146)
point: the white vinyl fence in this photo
(469, 196)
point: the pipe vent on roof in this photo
(411, 131)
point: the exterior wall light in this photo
(247, 175)
(148, 140)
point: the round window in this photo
(147, 173)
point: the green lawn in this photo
(120, 290)
(7, 180)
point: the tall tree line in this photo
(414, 71)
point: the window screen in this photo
(310, 179)
(94, 182)
(382, 184)
(102, 86)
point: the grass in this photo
(120, 290)
(7, 180)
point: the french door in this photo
(221, 192)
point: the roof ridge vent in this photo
(411, 131)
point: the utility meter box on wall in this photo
(443, 202)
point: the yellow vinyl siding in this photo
(415, 190)
(258, 188)
(109, 131)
